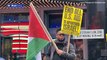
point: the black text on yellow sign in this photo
(71, 20)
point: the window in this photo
(17, 17)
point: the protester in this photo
(61, 53)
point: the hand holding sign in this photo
(71, 22)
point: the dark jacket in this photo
(63, 46)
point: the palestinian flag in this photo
(39, 36)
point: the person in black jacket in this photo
(61, 53)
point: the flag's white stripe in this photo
(30, 39)
(40, 21)
(20, 38)
(19, 43)
(38, 56)
(19, 35)
(18, 48)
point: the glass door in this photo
(6, 47)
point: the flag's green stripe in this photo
(35, 46)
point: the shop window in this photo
(11, 17)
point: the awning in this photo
(15, 4)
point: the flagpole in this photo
(54, 44)
(68, 44)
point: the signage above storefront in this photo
(15, 5)
(91, 34)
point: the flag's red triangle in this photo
(36, 27)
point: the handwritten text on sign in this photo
(71, 20)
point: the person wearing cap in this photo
(61, 52)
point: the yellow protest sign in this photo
(71, 20)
